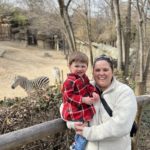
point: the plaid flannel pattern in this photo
(74, 88)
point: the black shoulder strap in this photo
(106, 106)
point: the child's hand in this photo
(79, 127)
(95, 96)
(88, 100)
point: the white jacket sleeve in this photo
(120, 124)
(70, 124)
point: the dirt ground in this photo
(30, 62)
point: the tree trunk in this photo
(141, 42)
(112, 11)
(88, 23)
(123, 48)
(118, 30)
(67, 23)
(127, 39)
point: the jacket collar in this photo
(112, 86)
(75, 75)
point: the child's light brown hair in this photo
(78, 57)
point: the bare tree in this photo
(127, 38)
(111, 6)
(123, 33)
(67, 22)
(141, 41)
(118, 30)
(88, 24)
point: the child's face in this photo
(78, 68)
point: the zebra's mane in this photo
(19, 76)
(39, 78)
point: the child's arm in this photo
(88, 100)
(91, 88)
(69, 94)
(91, 100)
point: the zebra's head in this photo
(17, 81)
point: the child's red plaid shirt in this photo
(74, 89)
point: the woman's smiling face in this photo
(102, 73)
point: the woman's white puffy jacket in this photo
(113, 133)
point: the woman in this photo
(105, 132)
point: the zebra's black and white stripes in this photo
(31, 85)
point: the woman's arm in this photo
(118, 125)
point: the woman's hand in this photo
(79, 126)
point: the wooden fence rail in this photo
(21, 137)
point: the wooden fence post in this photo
(139, 89)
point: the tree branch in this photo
(68, 4)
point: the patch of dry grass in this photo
(27, 61)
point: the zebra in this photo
(40, 83)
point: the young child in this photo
(78, 96)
